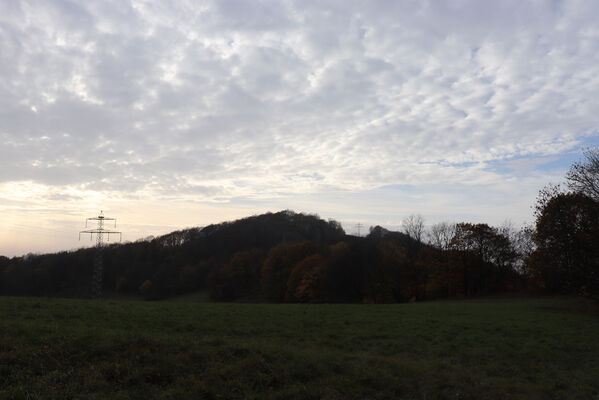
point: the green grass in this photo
(485, 349)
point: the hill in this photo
(175, 262)
(278, 257)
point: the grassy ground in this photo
(493, 349)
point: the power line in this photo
(359, 227)
(100, 231)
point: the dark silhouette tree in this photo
(384, 261)
(440, 235)
(484, 241)
(414, 227)
(237, 278)
(567, 239)
(343, 278)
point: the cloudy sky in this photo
(174, 114)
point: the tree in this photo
(524, 245)
(492, 267)
(583, 177)
(484, 241)
(567, 237)
(146, 289)
(278, 265)
(385, 262)
(237, 278)
(189, 279)
(343, 278)
(440, 235)
(414, 227)
(306, 281)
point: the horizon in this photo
(175, 116)
(90, 241)
(351, 230)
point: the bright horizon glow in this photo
(169, 116)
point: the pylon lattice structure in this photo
(100, 232)
(359, 227)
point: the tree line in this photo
(294, 257)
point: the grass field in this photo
(484, 349)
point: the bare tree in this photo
(524, 245)
(414, 227)
(583, 176)
(440, 235)
(508, 229)
(521, 241)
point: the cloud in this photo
(229, 100)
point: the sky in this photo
(167, 115)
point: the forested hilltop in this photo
(295, 257)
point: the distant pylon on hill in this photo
(100, 231)
(359, 227)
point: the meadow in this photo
(544, 348)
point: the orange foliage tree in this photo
(278, 265)
(306, 281)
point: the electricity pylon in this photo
(359, 227)
(100, 231)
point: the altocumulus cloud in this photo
(222, 101)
